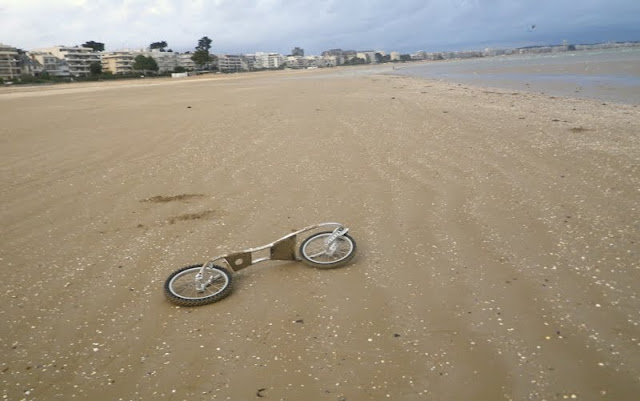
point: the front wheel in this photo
(315, 252)
(183, 287)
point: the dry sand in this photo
(498, 241)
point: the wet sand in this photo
(497, 235)
(610, 75)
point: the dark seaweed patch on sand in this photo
(191, 216)
(165, 199)
(578, 129)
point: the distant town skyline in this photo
(247, 26)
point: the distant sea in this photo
(608, 75)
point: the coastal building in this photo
(606, 45)
(297, 51)
(167, 61)
(79, 59)
(363, 56)
(257, 60)
(338, 56)
(184, 61)
(118, 62)
(488, 52)
(368, 56)
(50, 64)
(296, 62)
(29, 66)
(9, 62)
(332, 61)
(314, 61)
(249, 61)
(468, 54)
(230, 63)
(420, 55)
(268, 60)
(275, 60)
(395, 56)
(349, 55)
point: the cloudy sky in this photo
(245, 26)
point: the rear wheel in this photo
(185, 289)
(315, 252)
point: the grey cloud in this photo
(278, 25)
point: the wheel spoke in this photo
(185, 285)
(316, 249)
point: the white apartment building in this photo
(275, 60)
(249, 61)
(268, 60)
(300, 62)
(184, 61)
(367, 56)
(79, 59)
(421, 55)
(332, 61)
(118, 62)
(315, 61)
(167, 61)
(296, 62)
(230, 63)
(257, 60)
(9, 62)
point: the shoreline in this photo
(608, 75)
(566, 86)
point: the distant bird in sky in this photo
(531, 28)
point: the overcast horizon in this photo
(247, 26)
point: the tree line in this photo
(201, 56)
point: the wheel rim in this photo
(184, 284)
(316, 251)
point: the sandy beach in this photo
(497, 234)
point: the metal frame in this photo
(281, 249)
